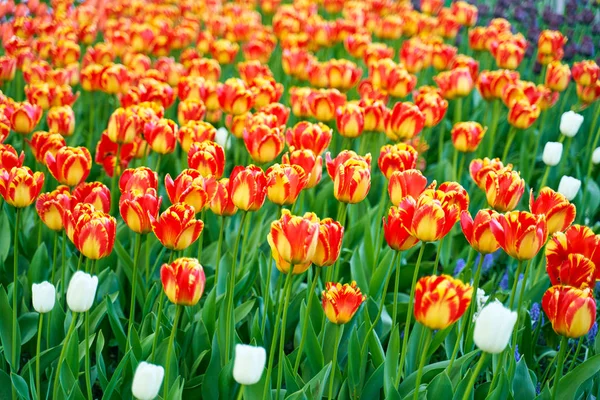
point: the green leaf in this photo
(315, 388)
(28, 324)
(522, 385)
(570, 383)
(501, 392)
(115, 324)
(314, 354)
(440, 387)
(116, 377)
(243, 310)
(354, 361)
(373, 385)
(39, 266)
(392, 356)
(21, 386)
(6, 335)
(5, 237)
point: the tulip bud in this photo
(340, 302)
(493, 328)
(222, 138)
(248, 364)
(569, 187)
(570, 122)
(552, 153)
(43, 296)
(596, 156)
(81, 291)
(147, 381)
(183, 281)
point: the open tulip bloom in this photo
(299, 199)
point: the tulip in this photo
(176, 228)
(350, 120)
(329, 243)
(522, 115)
(95, 237)
(25, 117)
(456, 83)
(147, 381)
(160, 135)
(576, 270)
(552, 153)
(294, 239)
(20, 186)
(520, 234)
(405, 121)
(123, 126)
(51, 207)
(508, 54)
(341, 302)
(571, 311)
(433, 107)
(558, 76)
(596, 156)
(479, 169)
(440, 301)
(9, 157)
(264, 143)
(432, 219)
(70, 166)
(248, 364)
(559, 213)
(136, 210)
(42, 143)
(478, 232)
(208, 158)
(409, 183)
(396, 228)
(183, 281)
(576, 240)
(43, 296)
(234, 97)
(442, 56)
(570, 122)
(248, 187)
(494, 327)
(504, 189)
(397, 157)
(585, 72)
(284, 183)
(551, 43)
(61, 120)
(138, 180)
(190, 110)
(311, 164)
(195, 131)
(190, 187)
(569, 187)
(81, 292)
(352, 181)
(221, 203)
(306, 135)
(323, 103)
(466, 136)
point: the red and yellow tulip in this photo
(440, 301)
(177, 228)
(183, 281)
(70, 166)
(341, 302)
(520, 233)
(571, 311)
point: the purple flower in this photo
(504, 281)
(535, 314)
(538, 388)
(460, 265)
(517, 354)
(488, 263)
(591, 336)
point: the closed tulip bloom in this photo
(478, 232)
(569, 187)
(183, 281)
(494, 327)
(433, 218)
(504, 189)
(466, 136)
(43, 297)
(190, 110)
(115, 79)
(559, 213)
(136, 209)
(81, 291)
(177, 228)
(248, 364)
(552, 153)
(405, 121)
(350, 120)
(596, 156)
(234, 97)
(396, 227)
(194, 132)
(465, 13)
(341, 302)
(147, 381)
(480, 168)
(43, 142)
(375, 115)
(558, 76)
(576, 239)
(94, 193)
(576, 270)
(95, 237)
(9, 157)
(397, 157)
(406, 183)
(264, 143)
(433, 107)
(551, 42)
(588, 94)
(39, 94)
(51, 207)
(570, 122)
(294, 238)
(70, 166)
(123, 126)
(20, 186)
(138, 180)
(221, 203)
(284, 183)
(25, 117)
(451, 193)
(508, 54)
(190, 187)
(61, 120)
(208, 158)
(442, 56)
(571, 311)
(323, 103)
(520, 234)
(329, 243)
(585, 72)
(522, 114)
(455, 83)
(308, 136)
(248, 187)
(440, 301)
(161, 135)
(352, 181)
(311, 164)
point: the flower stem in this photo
(170, 350)
(474, 376)
(494, 127)
(200, 238)
(338, 333)
(495, 373)
(564, 162)
(267, 293)
(219, 247)
(230, 293)
(424, 351)
(511, 136)
(37, 360)
(520, 304)
(15, 321)
(62, 354)
(158, 315)
(286, 302)
(564, 343)
(513, 292)
(88, 380)
(114, 180)
(311, 293)
(409, 315)
(64, 267)
(398, 263)
(576, 355)
(134, 273)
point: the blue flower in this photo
(517, 354)
(591, 336)
(504, 281)
(535, 314)
(488, 263)
(460, 265)
(538, 388)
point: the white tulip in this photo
(43, 297)
(569, 187)
(222, 138)
(570, 122)
(596, 156)
(494, 327)
(81, 291)
(147, 380)
(552, 153)
(248, 364)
